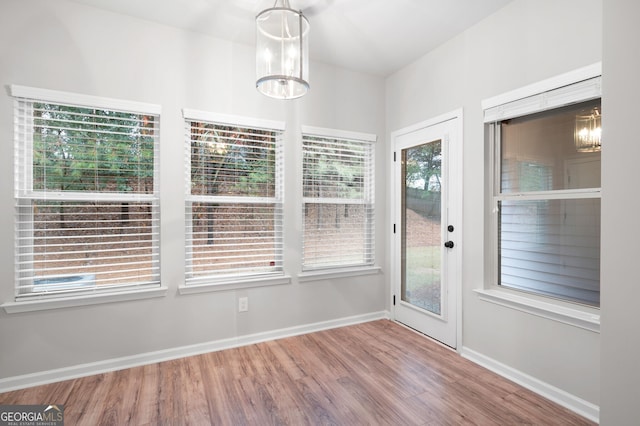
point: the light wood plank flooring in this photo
(376, 373)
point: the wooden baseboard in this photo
(83, 370)
(567, 400)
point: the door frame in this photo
(456, 196)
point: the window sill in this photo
(564, 314)
(82, 300)
(240, 283)
(328, 274)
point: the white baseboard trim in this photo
(83, 370)
(567, 400)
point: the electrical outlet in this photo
(243, 304)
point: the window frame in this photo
(23, 191)
(313, 273)
(223, 282)
(576, 86)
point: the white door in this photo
(427, 202)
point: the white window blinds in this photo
(85, 193)
(234, 191)
(338, 199)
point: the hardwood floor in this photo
(375, 373)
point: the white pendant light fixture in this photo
(282, 52)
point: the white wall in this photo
(620, 204)
(525, 42)
(66, 46)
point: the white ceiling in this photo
(372, 36)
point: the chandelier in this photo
(588, 132)
(282, 52)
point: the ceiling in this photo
(373, 36)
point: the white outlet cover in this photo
(243, 304)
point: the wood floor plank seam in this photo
(377, 372)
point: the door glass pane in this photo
(421, 226)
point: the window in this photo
(546, 192)
(234, 192)
(337, 181)
(86, 194)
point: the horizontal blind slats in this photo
(227, 161)
(337, 202)
(220, 139)
(106, 268)
(86, 199)
(78, 149)
(234, 184)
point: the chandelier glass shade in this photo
(588, 132)
(282, 52)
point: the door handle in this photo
(449, 244)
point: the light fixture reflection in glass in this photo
(588, 132)
(282, 54)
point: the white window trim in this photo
(530, 99)
(95, 296)
(83, 300)
(331, 273)
(579, 316)
(232, 120)
(338, 134)
(208, 284)
(536, 92)
(55, 96)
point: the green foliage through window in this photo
(92, 150)
(333, 168)
(230, 160)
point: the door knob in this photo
(449, 244)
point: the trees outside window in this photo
(87, 204)
(338, 210)
(234, 198)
